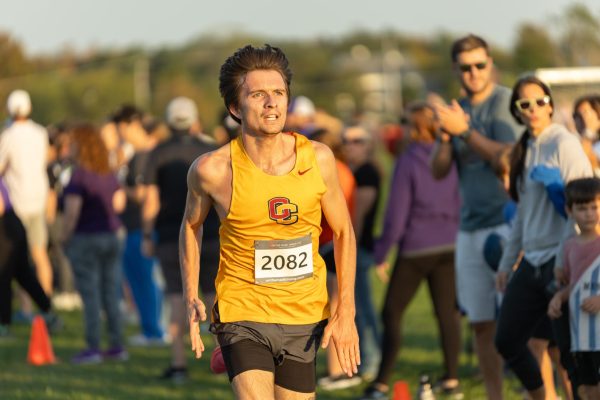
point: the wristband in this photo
(465, 135)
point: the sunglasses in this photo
(526, 104)
(354, 141)
(468, 67)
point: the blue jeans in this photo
(95, 259)
(367, 322)
(146, 293)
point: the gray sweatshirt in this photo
(538, 229)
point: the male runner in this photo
(269, 188)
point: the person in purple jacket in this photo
(422, 219)
(91, 227)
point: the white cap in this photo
(182, 113)
(18, 104)
(303, 106)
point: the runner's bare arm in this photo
(341, 328)
(198, 203)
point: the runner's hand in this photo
(196, 312)
(342, 330)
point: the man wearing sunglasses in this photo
(475, 130)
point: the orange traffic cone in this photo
(401, 391)
(40, 348)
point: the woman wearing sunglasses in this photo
(538, 228)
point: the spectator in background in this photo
(476, 130)
(165, 181)
(197, 130)
(422, 219)
(118, 151)
(137, 267)
(59, 171)
(23, 161)
(301, 116)
(227, 130)
(92, 200)
(394, 138)
(586, 115)
(547, 154)
(357, 147)
(580, 261)
(14, 264)
(543, 343)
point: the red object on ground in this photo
(40, 348)
(217, 364)
(401, 391)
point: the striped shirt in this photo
(585, 327)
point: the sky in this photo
(47, 26)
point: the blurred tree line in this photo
(75, 86)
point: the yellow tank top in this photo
(267, 241)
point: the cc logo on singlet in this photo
(282, 211)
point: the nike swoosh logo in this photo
(305, 171)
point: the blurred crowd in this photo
(474, 206)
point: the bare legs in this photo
(260, 385)
(490, 361)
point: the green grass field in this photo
(136, 378)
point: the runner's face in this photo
(587, 215)
(263, 103)
(474, 69)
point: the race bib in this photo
(283, 260)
